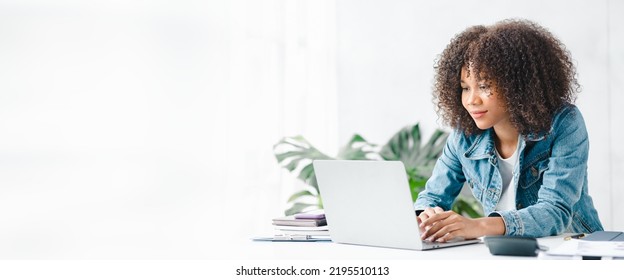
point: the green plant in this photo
(296, 154)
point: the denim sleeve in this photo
(562, 181)
(446, 179)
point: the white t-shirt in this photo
(506, 167)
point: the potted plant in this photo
(296, 155)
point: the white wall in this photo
(386, 52)
(615, 70)
(145, 129)
(108, 121)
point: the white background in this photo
(143, 129)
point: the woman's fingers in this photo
(446, 232)
(432, 219)
(428, 212)
(432, 223)
(429, 217)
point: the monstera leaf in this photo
(296, 155)
(419, 160)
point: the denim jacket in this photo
(550, 179)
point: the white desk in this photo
(248, 249)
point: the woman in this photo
(518, 141)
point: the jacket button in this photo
(519, 206)
(533, 171)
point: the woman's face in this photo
(482, 102)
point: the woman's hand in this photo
(426, 214)
(439, 225)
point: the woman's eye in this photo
(464, 89)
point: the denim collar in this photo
(484, 146)
(536, 136)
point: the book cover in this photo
(314, 214)
(292, 221)
(302, 228)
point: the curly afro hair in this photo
(530, 69)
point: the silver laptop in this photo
(369, 203)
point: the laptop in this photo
(369, 203)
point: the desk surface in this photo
(327, 250)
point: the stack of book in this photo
(302, 225)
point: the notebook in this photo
(369, 203)
(617, 236)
